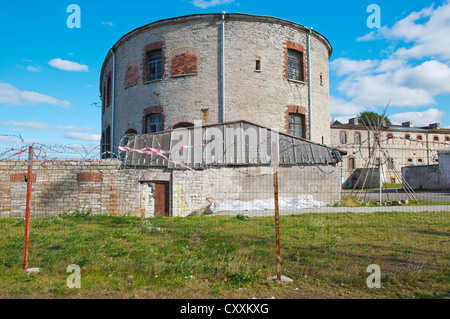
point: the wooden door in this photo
(161, 199)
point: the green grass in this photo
(228, 257)
(353, 201)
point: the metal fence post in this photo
(277, 213)
(28, 208)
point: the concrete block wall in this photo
(102, 187)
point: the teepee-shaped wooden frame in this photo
(375, 162)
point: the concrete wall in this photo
(430, 176)
(264, 97)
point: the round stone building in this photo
(214, 68)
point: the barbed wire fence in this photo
(226, 209)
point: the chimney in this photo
(353, 121)
(406, 124)
(435, 125)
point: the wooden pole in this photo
(28, 208)
(277, 212)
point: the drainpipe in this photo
(309, 84)
(222, 111)
(112, 101)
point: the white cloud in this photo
(210, 3)
(12, 96)
(396, 81)
(33, 68)
(344, 66)
(45, 127)
(424, 118)
(429, 38)
(109, 23)
(83, 136)
(342, 107)
(68, 65)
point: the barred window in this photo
(154, 123)
(295, 65)
(154, 65)
(297, 125)
(343, 138)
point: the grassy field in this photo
(326, 255)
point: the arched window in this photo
(297, 125)
(343, 138)
(408, 139)
(153, 123)
(128, 134)
(357, 138)
(295, 65)
(390, 139)
(183, 124)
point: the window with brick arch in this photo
(153, 123)
(343, 138)
(184, 64)
(295, 65)
(297, 125)
(154, 59)
(357, 138)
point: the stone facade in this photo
(63, 186)
(190, 87)
(404, 144)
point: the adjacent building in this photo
(401, 145)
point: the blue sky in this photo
(49, 73)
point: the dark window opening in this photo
(107, 148)
(128, 134)
(351, 162)
(183, 124)
(258, 65)
(357, 138)
(297, 125)
(153, 123)
(390, 138)
(295, 65)
(108, 91)
(154, 65)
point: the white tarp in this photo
(303, 201)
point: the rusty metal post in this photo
(277, 212)
(28, 208)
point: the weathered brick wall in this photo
(190, 88)
(95, 186)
